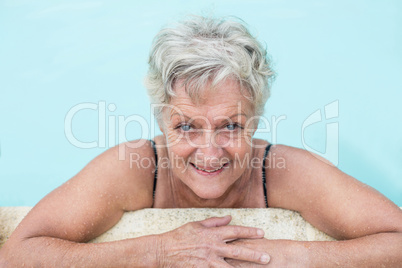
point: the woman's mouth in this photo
(209, 171)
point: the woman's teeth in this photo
(209, 171)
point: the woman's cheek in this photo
(240, 141)
(242, 152)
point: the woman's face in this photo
(209, 144)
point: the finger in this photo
(245, 254)
(216, 221)
(233, 232)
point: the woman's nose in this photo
(209, 143)
(209, 139)
(208, 151)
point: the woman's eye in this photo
(185, 127)
(231, 126)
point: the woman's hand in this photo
(203, 244)
(284, 253)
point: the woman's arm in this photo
(367, 223)
(377, 250)
(331, 200)
(81, 209)
(195, 244)
(44, 251)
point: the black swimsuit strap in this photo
(156, 166)
(264, 181)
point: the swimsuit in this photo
(264, 182)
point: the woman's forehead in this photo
(226, 99)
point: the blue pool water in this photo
(337, 92)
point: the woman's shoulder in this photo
(129, 167)
(295, 157)
(99, 194)
(323, 194)
(296, 175)
(132, 156)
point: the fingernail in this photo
(260, 232)
(264, 258)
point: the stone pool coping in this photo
(277, 223)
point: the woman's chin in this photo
(210, 192)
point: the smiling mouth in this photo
(210, 171)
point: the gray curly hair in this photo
(202, 50)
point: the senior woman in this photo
(210, 79)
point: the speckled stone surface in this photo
(277, 223)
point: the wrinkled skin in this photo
(204, 244)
